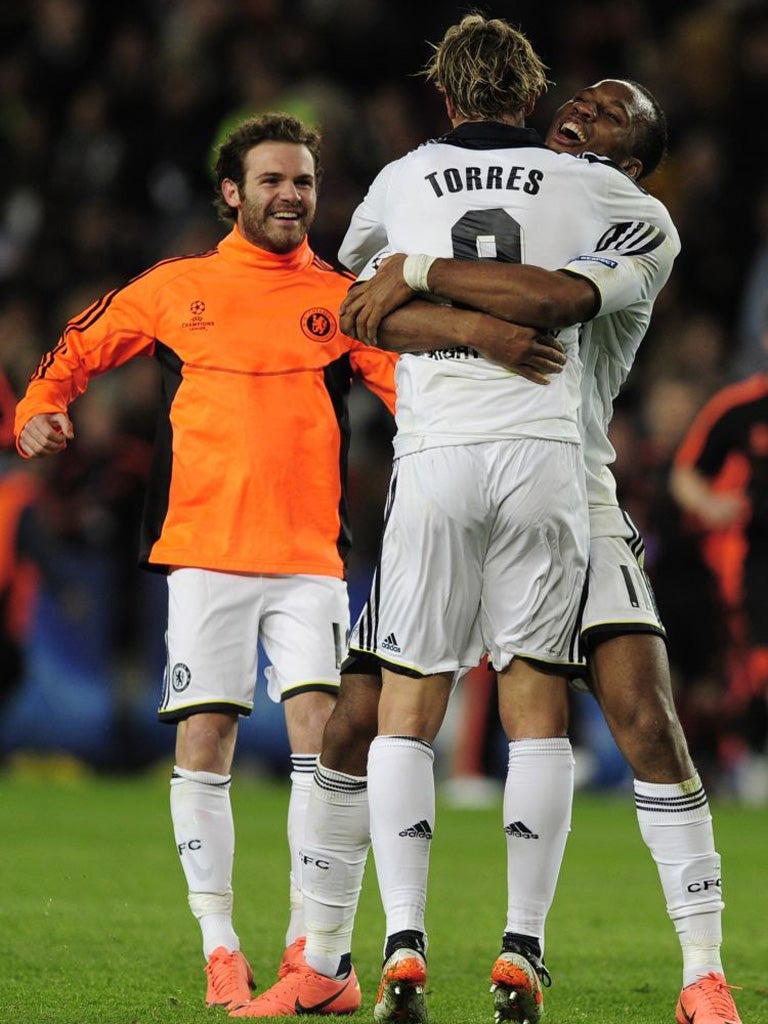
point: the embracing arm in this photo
(422, 326)
(518, 293)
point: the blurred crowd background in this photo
(109, 113)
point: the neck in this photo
(515, 120)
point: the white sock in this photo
(401, 794)
(334, 854)
(301, 781)
(538, 799)
(676, 824)
(205, 840)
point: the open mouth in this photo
(573, 131)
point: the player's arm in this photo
(376, 369)
(424, 327)
(696, 495)
(698, 461)
(628, 265)
(366, 234)
(106, 335)
(45, 434)
(620, 273)
(519, 293)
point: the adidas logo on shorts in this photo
(389, 643)
(420, 830)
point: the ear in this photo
(450, 109)
(632, 166)
(231, 193)
(530, 106)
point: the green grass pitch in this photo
(94, 926)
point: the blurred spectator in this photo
(752, 355)
(646, 431)
(96, 624)
(18, 492)
(720, 480)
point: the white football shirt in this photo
(629, 269)
(491, 191)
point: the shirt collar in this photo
(491, 135)
(237, 248)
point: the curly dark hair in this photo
(230, 160)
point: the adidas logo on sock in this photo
(389, 643)
(420, 830)
(520, 830)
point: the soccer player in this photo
(621, 631)
(620, 628)
(426, 424)
(246, 506)
(246, 509)
(720, 478)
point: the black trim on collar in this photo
(491, 135)
(596, 158)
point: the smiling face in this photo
(601, 119)
(276, 205)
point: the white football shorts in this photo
(215, 620)
(620, 597)
(484, 550)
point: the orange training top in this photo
(728, 444)
(251, 450)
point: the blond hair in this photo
(487, 69)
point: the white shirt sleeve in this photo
(366, 233)
(624, 274)
(374, 263)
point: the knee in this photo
(306, 715)
(650, 737)
(534, 705)
(205, 743)
(351, 728)
(650, 719)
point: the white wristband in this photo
(416, 271)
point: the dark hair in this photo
(230, 160)
(649, 142)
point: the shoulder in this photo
(166, 270)
(618, 190)
(598, 176)
(423, 153)
(735, 397)
(328, 279)
(333, 269)
(612, 178)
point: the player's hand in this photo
(46, 434)
(527, 351)
(369, 302)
